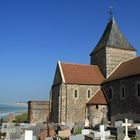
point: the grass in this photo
(22, 118)
(78, 130)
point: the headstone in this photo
(28, 135)
(138, 127)
(38, 128)
(12, 131)
(120, 133)
(49, 138)
(126, 125)
(86, 131)
(34, 138)
(89, 136)
(64, 133)
(102, 134)
(86, 123)
(118, 123)
(70, 125)
(63, 123)
(131, 121)
(138, 134)
(77, 137)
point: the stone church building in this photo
(108, 87)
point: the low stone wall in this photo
(38, 111)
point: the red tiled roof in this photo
(125, 69)
(81, 74)
(98, 98)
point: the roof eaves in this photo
(93, 94)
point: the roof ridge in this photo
(78, 64)
(122, 64)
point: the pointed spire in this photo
(113, 37)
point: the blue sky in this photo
(34, 35)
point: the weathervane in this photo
(110, 13)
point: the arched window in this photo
(123, 92)
(75, 93)
(88, 93)
(110, 93)
(138, 89)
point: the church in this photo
(108, 87)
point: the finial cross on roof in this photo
(110, 13)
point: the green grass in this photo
(133, 138)
(78, 130)
(21, 118)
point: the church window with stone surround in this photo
(138, 89)
(122, 92)
(75, 93)
(88, 93)
(110, 93)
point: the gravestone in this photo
(77, 137)
(49, 138)
(38, 128)
(118, 123)
(86, 123)
(132, 122)
(70, 125)
(35, 138)
(137, 134)
(64, 133)
(126, 125)
(120, 133)
(12, 131)
(89, 136)
(86, 131)
(102, 134)
(138, 127)
(28, 135)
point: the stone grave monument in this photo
(126, 125)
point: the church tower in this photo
(112, 49)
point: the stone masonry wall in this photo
(129, 107)
(109, 58)
(38, 111)
(96, 113)
(75, 111)
(115, 56)
(99, 58)
(55, 91)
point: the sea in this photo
(7, 108)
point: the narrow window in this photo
(123, 92)
(97, 106)
(110, 94)
(88, 93)
(75, 93)
(138, 89)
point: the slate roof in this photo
(125, 69)
(113, 37)
(82, 74)
(98, 98)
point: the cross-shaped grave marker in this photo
(102, 134)
(126, 125)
